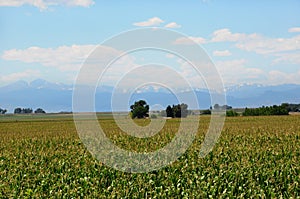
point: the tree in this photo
(140, 109)
(169, 111)
(219, 107)
(22, 111)
(39, 110)
(27, 110)
(206, 112)
(216, 106)
(226, 107)
(184, 110)
(179, 110)
(291, 107)
(3, 111)
(17, 110)
(231, 113)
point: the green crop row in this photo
(255, 157)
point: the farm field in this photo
(255, 157)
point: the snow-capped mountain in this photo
(55, 97)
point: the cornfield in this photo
(255, 157)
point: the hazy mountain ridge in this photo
(55, 97)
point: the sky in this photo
(250, 42)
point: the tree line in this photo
(27, 111)
(267, 110)
(23, 111)
(140, 109)
(282, 109)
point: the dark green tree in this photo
(3, 111)
(179, 110)
(140, 109)
(39, 110)
(22, 111)
(206, 112)
(169, 111)
(27, 110)
(226, 107)
(17, 111)
(231, 113)
(216, 106)
(176, 110)
(184, 110)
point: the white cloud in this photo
(172, 25)
(155, 21)
(19, 75)
(65, 58)
(69, 59)
(293, 57)
(257, 43)
(278, 77)
(189, 40)
(225, 34)
(83, 3)
(235, 72)
(263, 45)
(200, 74)
(283, 48)
(222, 53)
(294, 29)
(44, 4)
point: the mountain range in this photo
(56, 97)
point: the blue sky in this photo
(249, 42)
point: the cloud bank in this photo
(44, 4)
(155, 21)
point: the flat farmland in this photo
(255, 157)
